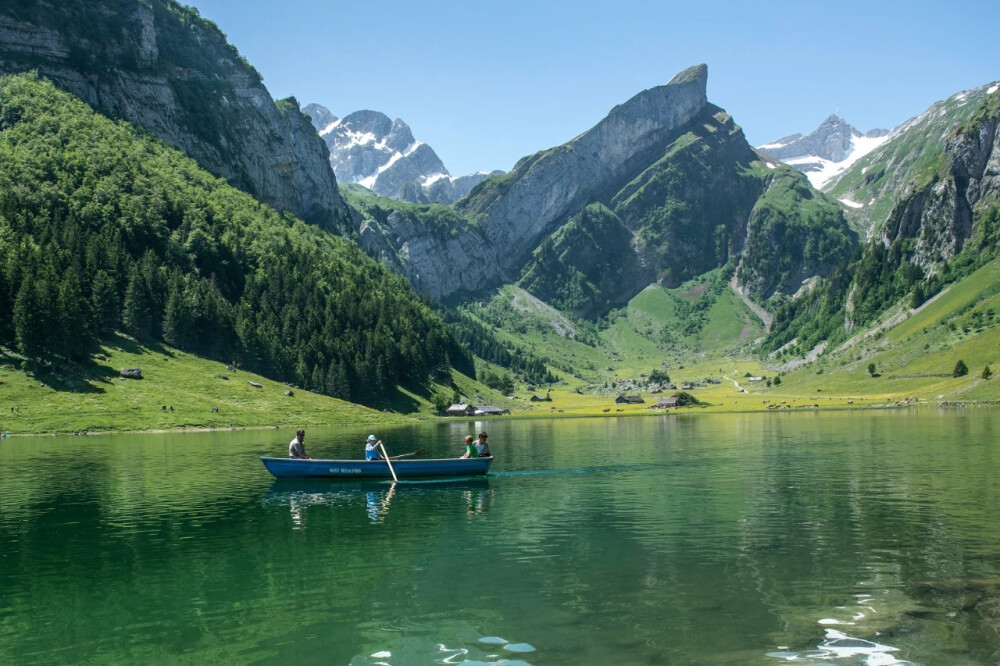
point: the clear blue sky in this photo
(487, 83)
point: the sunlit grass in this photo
(196, 393)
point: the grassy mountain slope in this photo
(103, 227)
(93, 397)
(658, 328)
(915, 351)
(795, 234)
(914, 355)
(911, 158)
(586, 266)
(705, 201)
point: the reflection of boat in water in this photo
(297, 494)
(292, 487)
(317, 468)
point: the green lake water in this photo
(866, 537)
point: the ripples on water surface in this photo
(854, 538)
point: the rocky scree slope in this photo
(160, 66)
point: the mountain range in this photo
(827, 152)
(662, 189)
(662, 202)
(368, 148)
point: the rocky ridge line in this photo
(513, 212)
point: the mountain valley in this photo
(155, 197)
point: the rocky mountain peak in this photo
(827, 151)
(319, 115)
(369, 148)
(697, 74)
(513, 213)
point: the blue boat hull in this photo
(314, 468)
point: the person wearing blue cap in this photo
(372, 448)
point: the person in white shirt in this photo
(297, 447)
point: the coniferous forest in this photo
(105, 228)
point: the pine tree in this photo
(7, 295)
(177, 316)
(27, 321)
(75, 319)
(104, 303)
(136, 312)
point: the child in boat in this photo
(482, 448)
(470, 448)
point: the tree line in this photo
(103, 228)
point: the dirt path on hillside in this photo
(739, 388)
(764, 315)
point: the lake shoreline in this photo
(529, 415)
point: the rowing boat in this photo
(318, 468)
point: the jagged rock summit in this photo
(663, 189)
(514, 211)
(827, 152)
(368, 148)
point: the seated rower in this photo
(371, 448)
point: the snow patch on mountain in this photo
(780, 143)
(827, 152)
(822, 172)
(369, 149)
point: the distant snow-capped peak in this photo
(368, 148)
(827, 152)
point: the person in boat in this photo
(372, 448)
(482, 448)
(470, 448)
(297, 447)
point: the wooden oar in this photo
(419, 452)
(386, 456)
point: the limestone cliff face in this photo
(939, 215)
(512, 213)
(160, 66)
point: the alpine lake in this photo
(851, 537)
